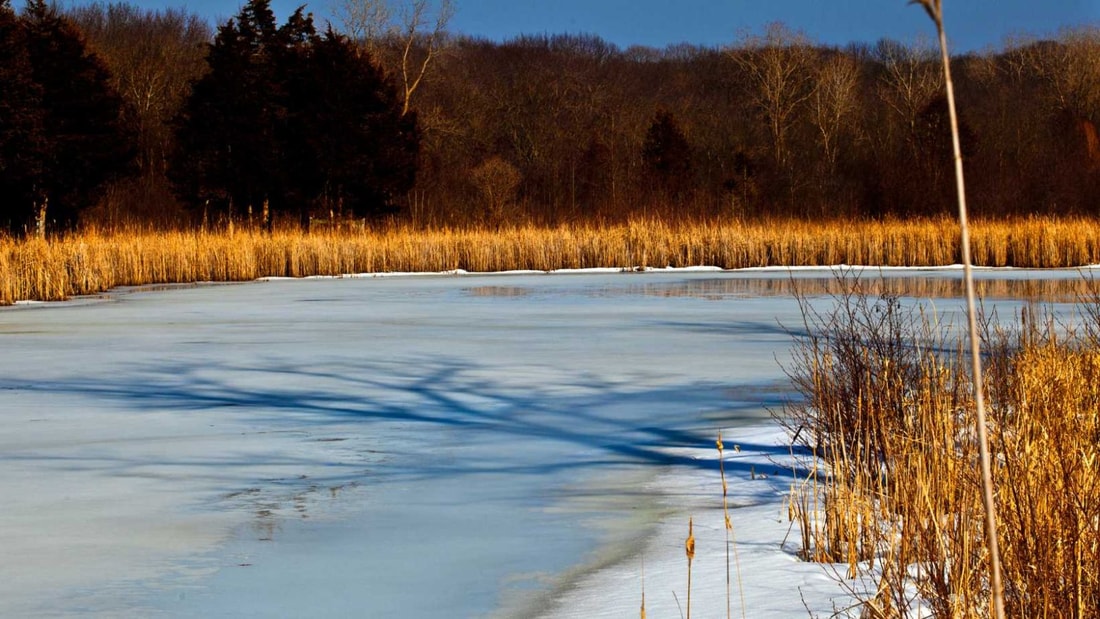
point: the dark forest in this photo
(117, 116)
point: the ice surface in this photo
(453, 445)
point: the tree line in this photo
(772, 125)
(111, 113)
(115, 115)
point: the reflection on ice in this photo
(1059, 287)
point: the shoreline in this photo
(766, 545)
(1085, 273)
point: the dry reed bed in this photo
(888, 412)
(92, 262)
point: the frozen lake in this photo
(428, 446)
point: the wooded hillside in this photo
(540, 129)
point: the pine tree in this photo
(365, 152)
(226, 148)
(667, 156)
(84, 141)
(22, 155)
(295, 121)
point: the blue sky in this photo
(972, 24)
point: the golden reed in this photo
(894, 493)
(90, 262)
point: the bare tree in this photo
(417, 28)
(777, 66)
(153, 57)
(832, 102)
(415, 59)
(366, 22)
(1071, 69)
(497, 180)
(911, 79)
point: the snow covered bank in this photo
(766, 570)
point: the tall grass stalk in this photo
(935, 11)
(689, 550)
(731, 541)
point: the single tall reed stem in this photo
(689, 549)
(730, 539)
(935, 11)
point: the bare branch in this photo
(406, 39)
(1071, 69)
(414, 19)
(833, 100)
(366, 22)
(910, 82)
(777, 66)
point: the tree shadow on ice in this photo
(433, 417)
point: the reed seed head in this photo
(689, 545)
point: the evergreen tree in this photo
(292, 120)
(226, 150)
(21, 124)
(365, 153)
(667, 156)
(84, 143)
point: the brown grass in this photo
(889, 413)
(91, 262)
